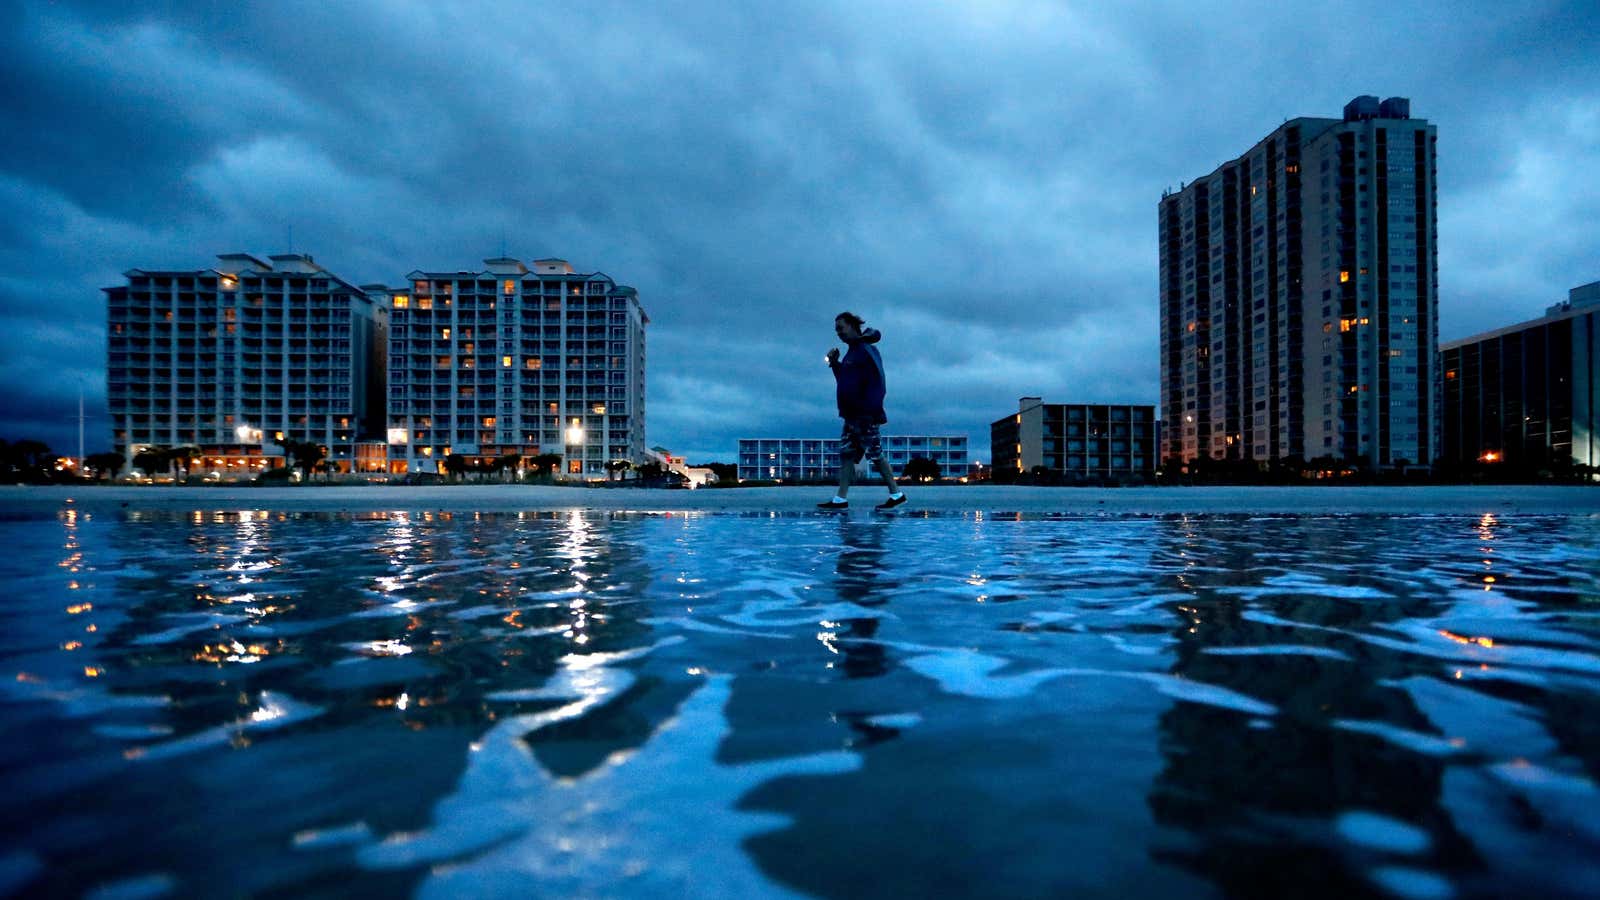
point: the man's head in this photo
(847, 325)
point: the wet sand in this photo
(1317, 500)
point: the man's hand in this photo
(833, 356)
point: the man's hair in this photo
(855, 321)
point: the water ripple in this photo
(640, 704)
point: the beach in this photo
(942, 499)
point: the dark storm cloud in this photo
(978, 180)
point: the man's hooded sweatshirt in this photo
(860, 378)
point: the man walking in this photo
(861, 385)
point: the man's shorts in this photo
(859, 439)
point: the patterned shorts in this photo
(859, 439)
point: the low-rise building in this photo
(1085, 442)
(1527, 395)
(817, 459)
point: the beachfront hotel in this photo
(817, 459)
(515, 359)
(1299, 296)
(1077, 442)
(1527, 395)
(236, 359)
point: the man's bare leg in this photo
(846, 469)
(886, 472)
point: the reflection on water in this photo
(762, 705)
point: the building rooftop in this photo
(1580, 301)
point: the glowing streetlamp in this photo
(575, 434)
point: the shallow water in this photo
(600, 704)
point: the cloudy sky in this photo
(979, 180)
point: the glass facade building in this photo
(1526, 396)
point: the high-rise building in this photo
(1528, 395)
(817, 459)
(1076, 441)
(239, 358)
(518, 360)
(1299, 296)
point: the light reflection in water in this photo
(1121, 674)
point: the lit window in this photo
(401, 301)
(505, 361)
(509, 287)
(531, 362)
(1344, 275)
(444, 334)
(424, 303)
(488, 421)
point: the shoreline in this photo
(1571, 500)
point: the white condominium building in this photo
(516, 360)
(237, 358)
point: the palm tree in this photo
(920, 468)
(546, 463)
(179, 459)
(456, 465)
(511, 462)
(27, 460)
(102, 464)
(618, 467)
(151, 460)
(306, 455)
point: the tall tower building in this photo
(236, 359)
(1299, 296)
(518, 360)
